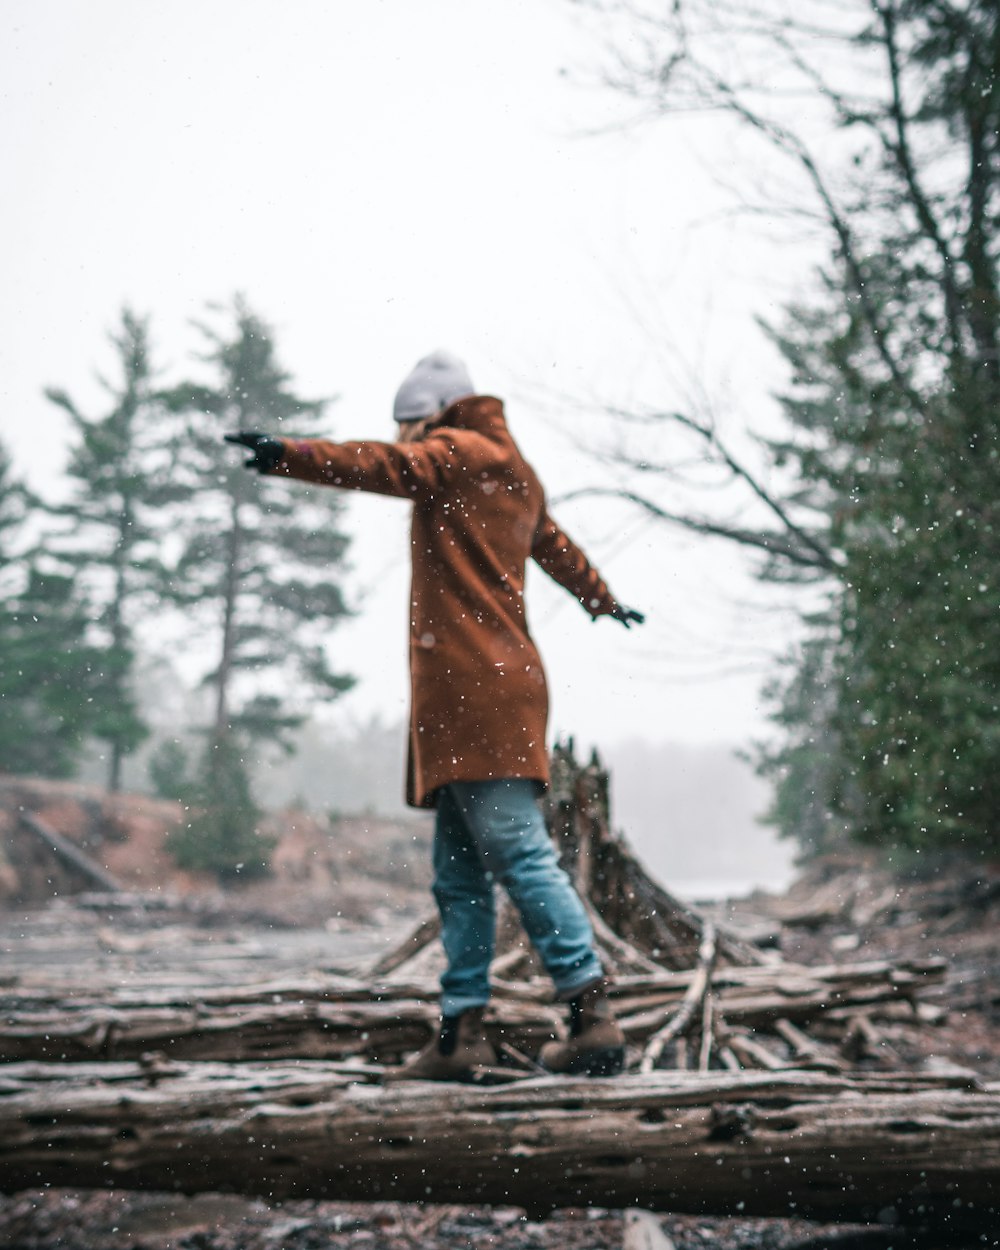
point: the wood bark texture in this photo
(922, 1150)
(380, 1023)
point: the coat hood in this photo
(483, 414)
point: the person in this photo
(479, 703)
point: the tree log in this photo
(338, 1018)
(922, 1150)
(68, 853)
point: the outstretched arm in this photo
(562, 559)
(409, 471)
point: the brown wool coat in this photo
(479, 699)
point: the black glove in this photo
(627, 615)
(267, 451)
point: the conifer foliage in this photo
(895, 404)
(258, 577)
(50, 675)
(259, 571)
(221, 830)
(112, 527)
(889, 712)
(164, 535)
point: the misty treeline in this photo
(874, 124)
(158, 539)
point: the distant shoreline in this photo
(717, 889)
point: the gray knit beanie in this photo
(434, 383)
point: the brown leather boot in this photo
(595, 1046)
(454, 1055)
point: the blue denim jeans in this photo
(492, 832)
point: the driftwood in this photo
(686, 992)
(157, 1083)
(636, 909)
(380, 1023)
(71, 856)
(923, 1150)
(696, 994)
(642, 931)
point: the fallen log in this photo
(69, 854)
(261, 1030)
(897, 981)
(919, 1150)
(338, 1018)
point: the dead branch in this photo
(694, 996)
(71, 855)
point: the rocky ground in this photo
(116, 1221)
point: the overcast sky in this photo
(381, 179)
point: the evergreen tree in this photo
(15, 505)
(896, 404)
(261, 565)
(50, 677)
(893, 402)
(119, 471)
(221, 832)
(47, 672)
(912, 682)
(169, 769)
(260, 569)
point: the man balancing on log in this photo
(477, 749)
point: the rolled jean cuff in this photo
(581, 979)
(455, 1004)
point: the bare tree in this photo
(872, 118)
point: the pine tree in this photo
(15, 504)
(119, 472)
(49, 676)
(221, 834)
(261, 564)
(47, 673)
(896, 403)
(259, 573)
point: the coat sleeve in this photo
(565, 563)
(411, 471)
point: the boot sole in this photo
(461, 1076)
(608, 1061)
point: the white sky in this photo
(382, 179)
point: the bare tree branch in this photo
(901, 150)
(707, 90)
(774, 543)
(792, 145)
(806, 541)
